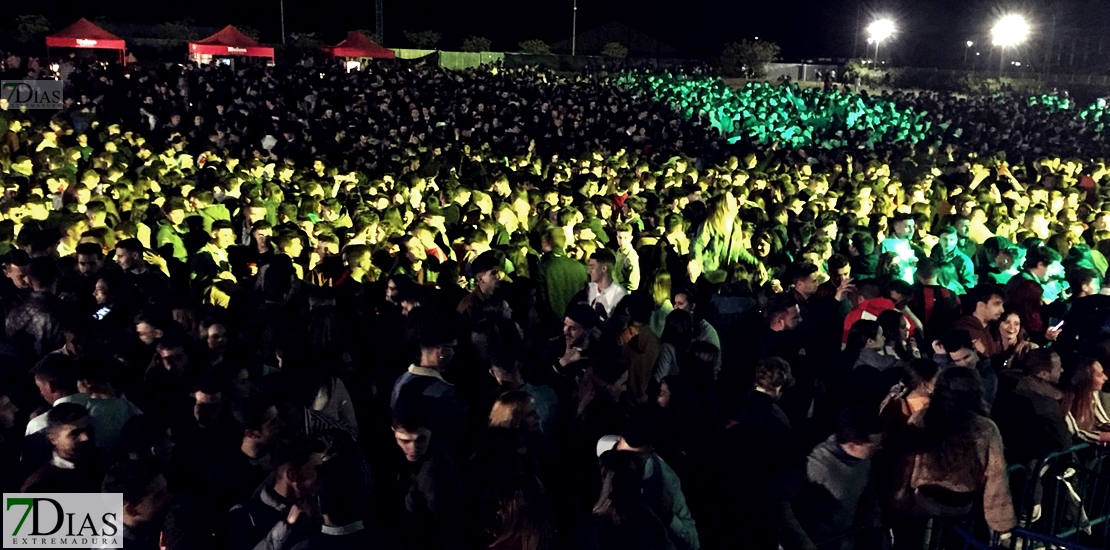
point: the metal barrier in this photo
(1063, 500)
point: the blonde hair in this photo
(722, 211)
(509, 410)
(661, 287)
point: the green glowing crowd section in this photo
(1097, 115)
(785, 114)
(790, 116)
(1051, 102)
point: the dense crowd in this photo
(296, 307)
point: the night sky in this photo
(698, 28)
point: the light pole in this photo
(1010, 30)
(281, 6)
(967, 49)
(880, 30)
(574, 29)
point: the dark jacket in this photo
(259, 523)
(827, 495)
(1030, 415)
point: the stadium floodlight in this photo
(1011, 30)
(880, 29)
(970, 43)
(877, 31)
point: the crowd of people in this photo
(402, 307)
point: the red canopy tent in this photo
(85, 34)
(359, 45)
(230, 41)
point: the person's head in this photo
(56, 377)
(920, 376)
(948, 239)
(413, 434)
(223, 234)
(129, 254)
(858, 432)
(43, 274)
(804, 278)
(621, 483)
(69, 430)
(840, 269)
(257, 420)
(437, 345)
(208, 401)
(516, 410)
(1043, 363)
(957, 389)
(866, 334)
(295, 462)
(16, 267)
(214, 335)
(773, 376)
(1038, 259)
(175, 210)
(783, 313)
(960, 348)
(1088, 378)
(146, 497)
(1083, 281)
(554, 240)
(89, 259)
(145, 437)
(903, 226)
(487, 271)
(686, 299)
(624, 236)
(600, 266)
(579, 320)
(985, 301)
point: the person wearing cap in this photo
(423, 388)
(486, 269)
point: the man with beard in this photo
(74, 467)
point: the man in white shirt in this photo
(602, 294)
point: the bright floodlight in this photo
(1011, 30)
(970, 43)
(881, 29)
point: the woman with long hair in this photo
(720, 242)
(898, 330)
(1015, 341)
(1086, 416)
(911, 396)
(949, 458)
(621, 519)
(873, 372)
(524, 517)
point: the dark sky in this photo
(698, 28)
